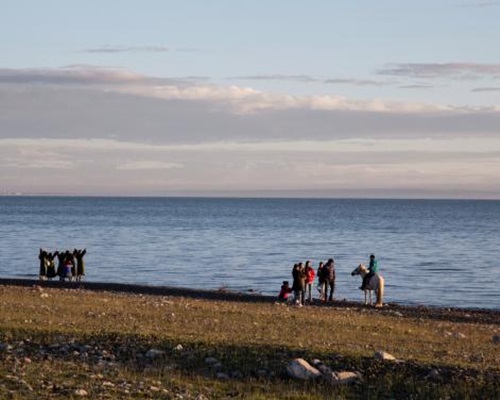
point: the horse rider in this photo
(372, 270)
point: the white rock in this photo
(301, 369)
(179, 347)
(342, 377)
(81, 392)
(459, 335)
(384, 356)
(44, 295)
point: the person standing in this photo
(42, 256)
(80, 264)
(329, 274)
(310, 273)
(299, 282)
(320, 273)
(372, 270)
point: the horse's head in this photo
(360, 268)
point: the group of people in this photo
(70, 265)
(303, 275)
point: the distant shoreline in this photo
(472, 315)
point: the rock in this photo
(384, 356)
(342, 377)
(108, 384)
(45, 295)
(222, 376)
(211, 361)
(154, 353)
(217, 365)
(459, 335)
(179, 347)
(433, 374)
(301, 369)
(496, 339)
(81, 392)
(5, 347)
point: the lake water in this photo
(431, 252)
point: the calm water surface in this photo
(433, 252)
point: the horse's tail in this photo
(380, 292)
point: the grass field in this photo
(69, 343)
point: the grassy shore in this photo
(74, 343)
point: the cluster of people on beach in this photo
(70, 265)
(303, 275)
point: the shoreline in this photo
(454, 314)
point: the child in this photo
(285, 291)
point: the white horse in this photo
(376, 283)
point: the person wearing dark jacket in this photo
(329, 276)
(299, 283)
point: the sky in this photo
(316, 98)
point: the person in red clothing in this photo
(285, 291)
(310, 273)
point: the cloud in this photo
(486, 89)
(148, 164)
(439, 70)
(279, 77)
(357, 82)
(481, 4)
(129, 107)
(417, 86)
(88, 75)
(311, 79)
(128, 49)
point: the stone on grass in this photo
(179, 347)
(154, 353)
(301, 369)
(342, 377)
(81, 392)
(222, 376)
(384, 356)
(211, 361)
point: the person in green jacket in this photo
(373, 269)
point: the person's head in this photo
(308, 263)
(321, 264)
(301, 264)
(285, 283)
(372, 256)
(330, 261)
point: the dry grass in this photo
(245, 337)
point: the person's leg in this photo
(330, 284)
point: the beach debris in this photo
(81, 392)
(301, 369)
(342, 377)
(384, 356)
(496, 339)
(154, 353)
